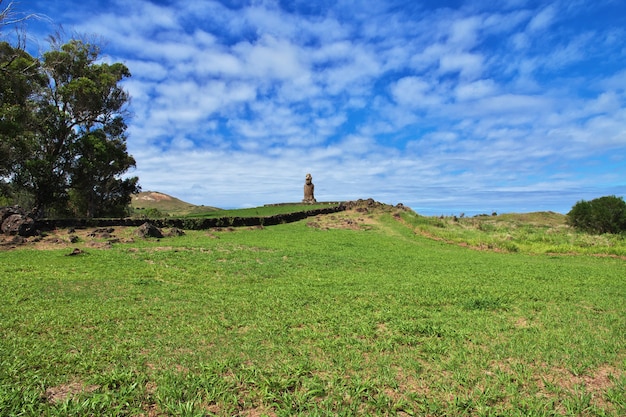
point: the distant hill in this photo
(165, 204)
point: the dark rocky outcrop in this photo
(148, 230)
(14, 221)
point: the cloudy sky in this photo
(448, 107)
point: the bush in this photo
(602, 215)
(154, 213)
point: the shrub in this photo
(601, 215)
(154, 213)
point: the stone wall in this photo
(189, 224)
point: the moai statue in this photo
(309, 197)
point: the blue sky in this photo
(448, 107)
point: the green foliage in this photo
(20, 79)
(601, 215)
(63, 130)
(153, 213)
(98, 190)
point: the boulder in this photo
(5, 212)
(16, 222)
(148, 230)
(175, 231)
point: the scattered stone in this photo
(75, 252)
(102, 233)
(14, 241)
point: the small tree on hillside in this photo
(601, 215)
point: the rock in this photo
(14, 221)
(148, 230)
(9, 211)
(175, 231)
(19, 224)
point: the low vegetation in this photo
(536, 233)
(354, 313)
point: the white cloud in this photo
(468, 65)
(463, 32)
(542, 20)
(270, 58)
(475, 90)
(147, 70)
(215, 62)
(415, 92)
(353, 73)
(607, 102)
(512, 104)
(575, 50)
(520, 41)
(616, 81)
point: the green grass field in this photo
(371, 319)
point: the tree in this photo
(95, 188)
(79, 151)
(20, 82)
(601, 215)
